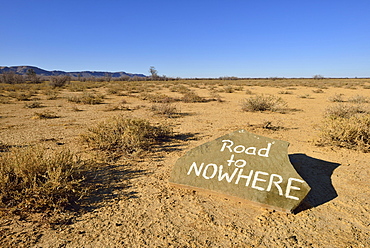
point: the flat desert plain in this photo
(135, 206)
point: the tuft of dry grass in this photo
(34, 179)
(342, 110)
(359, 99)
(45, 115)
(87, 98)
(229, 89)
(351, 133)
(249, 92)
(34, 104)
(180, 88)
(264, 103)
(318, 91)
(285, 92)
(191, 97)
(22, 96)
(165, 109)
(119, 136)
(157, 98)
(336, 98)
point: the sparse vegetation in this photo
(350, 132)
(285, 92)
(336, 98)
(229, 89)
(342, 110)
(45, 115)
(33, 104)
(165, 109)
(87, 98)
(59, 81)
(21, 96)
(34, 179)
(359, 99)
(318, 91)
(249, 92)
(305, 96)
(119, 136)
(191, 97)
(264, 103)
(156, 98)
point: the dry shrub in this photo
(342, 110)
(191, 97)
(45, 115)
(22, 96)
(77, 86)
(264, 103)
(229, 89)
(4, 100)
(87, 98)
(352, 132)
(305, 96)
(52, 94)
(59, 81)
(285, 92)
(4, 147)
(179, 88)
(165, 109)
(34, 179)
(157, 98)
(358, 99)
(318, 91)
(33, 105)
(249, 92)
(117, 107)
(336, 98)
(215, 96)
(119, 136)
(115, 89)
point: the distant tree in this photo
(154, 73)
(59, 81)
(32, 77)
(318, 77)
(107, 77)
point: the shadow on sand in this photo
(317, 173)
(108, 182)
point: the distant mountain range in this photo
(22, 70)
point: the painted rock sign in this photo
(243, 165)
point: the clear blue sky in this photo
(192, 38)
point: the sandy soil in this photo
(138, 207)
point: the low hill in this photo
(22, 70)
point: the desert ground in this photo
(133, 204)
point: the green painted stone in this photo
(246, 166)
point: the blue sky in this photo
(193, 38)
